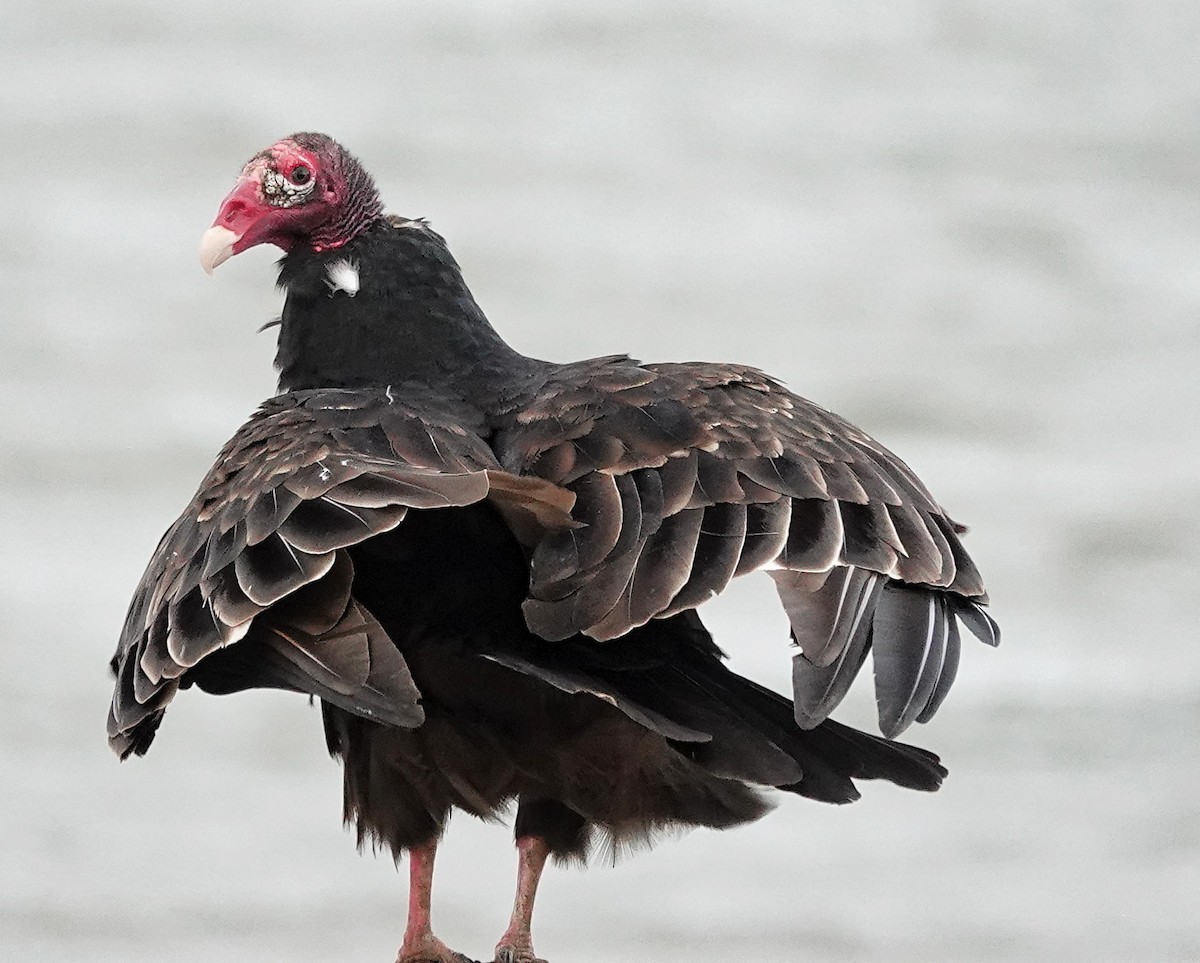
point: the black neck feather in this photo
(412, 321)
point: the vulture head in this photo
(304, 190)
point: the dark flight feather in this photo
(718, 549)
(814, 542)
(665, 564)
(285, 495)
(909, 639)
(767, 528)
(946, 672)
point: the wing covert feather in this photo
(252, 585)
(749, 476)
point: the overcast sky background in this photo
(972, 228)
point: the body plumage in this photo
(487, 567)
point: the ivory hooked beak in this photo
(216, 247)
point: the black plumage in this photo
(487, 566)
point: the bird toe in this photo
(516, 954)
(430, 950)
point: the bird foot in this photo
(429, 949)
(516, 951)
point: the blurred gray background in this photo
(971, 227)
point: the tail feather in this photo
(831, 755)
(671, 671)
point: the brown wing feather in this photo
(782, 484)
(252, 584)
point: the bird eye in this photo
(300, 174)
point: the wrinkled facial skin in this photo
(283, 195)
(286, 178)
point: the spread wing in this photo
(686, 475)
(252, 586)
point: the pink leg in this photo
(516, 945)
(420, 945)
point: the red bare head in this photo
(305, 190)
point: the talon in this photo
(431, 950)
(506, 953)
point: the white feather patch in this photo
(343, 276)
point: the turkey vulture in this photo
(487, 567)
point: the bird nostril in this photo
(232, 211)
